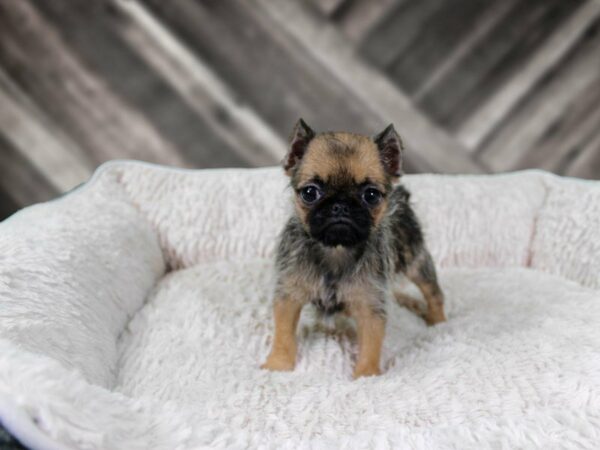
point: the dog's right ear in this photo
(299, 140)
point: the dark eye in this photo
(310, 193)
(372, 196)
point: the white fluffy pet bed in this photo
(135, 311)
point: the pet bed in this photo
(135, 312)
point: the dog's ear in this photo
(390, 150)
(299, 140)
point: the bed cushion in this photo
(134, 313)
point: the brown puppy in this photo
(351, 233)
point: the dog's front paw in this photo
(279, 363)
(366, 371)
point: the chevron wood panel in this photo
(473, 85)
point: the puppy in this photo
(351, 233)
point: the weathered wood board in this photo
(474, 85)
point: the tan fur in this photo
(371, 332)
(370, 326)
(432, 312)
(283, 351)
(434, 300)
(379, 212)
(327, 153)
(432, 294)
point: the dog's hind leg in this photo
(414, 305)
(421, 271)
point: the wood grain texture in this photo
(21, 182)
(472, 85)
(438, 35)
(331, 8)
(93, 33)
(429, 148)
(530, 137)
(361, 16)
(200, 88)
(396, 30)
(490, 64)
(480, 28)
(587, 163)
(40, 62)
(263, 65)
(39, 141)
(572, 133)
(482, 121)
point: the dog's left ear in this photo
(390, 150)
(299, 140)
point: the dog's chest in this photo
(337, 263)
(327, 297)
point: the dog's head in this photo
(342, 181)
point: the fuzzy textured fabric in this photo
(135, 311)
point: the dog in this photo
(352, 231)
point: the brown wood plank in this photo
(483, 120)
(41, 64)
(521, 32)
(93, 33)
(535, 134)
(375, 93)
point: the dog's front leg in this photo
(283, 351)
(371, 331)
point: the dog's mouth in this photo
(342, 232)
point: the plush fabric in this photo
(135, 311)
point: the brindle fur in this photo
(355, 279)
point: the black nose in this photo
(340, 209)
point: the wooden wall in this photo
(474, 86)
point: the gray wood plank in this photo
(20, 182)
(267, 69)
(587, 163)
(39, 140)
(428, 146)
(521, 32)
(358, 20)
(330, 8)
(40, 63)
(471, 84)
(535, 132)
(482, 121)
(397, 30)
(93, 33)
(436, 38)
(8, 206)
(569, 135)
(482, 28)
(200, 87)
